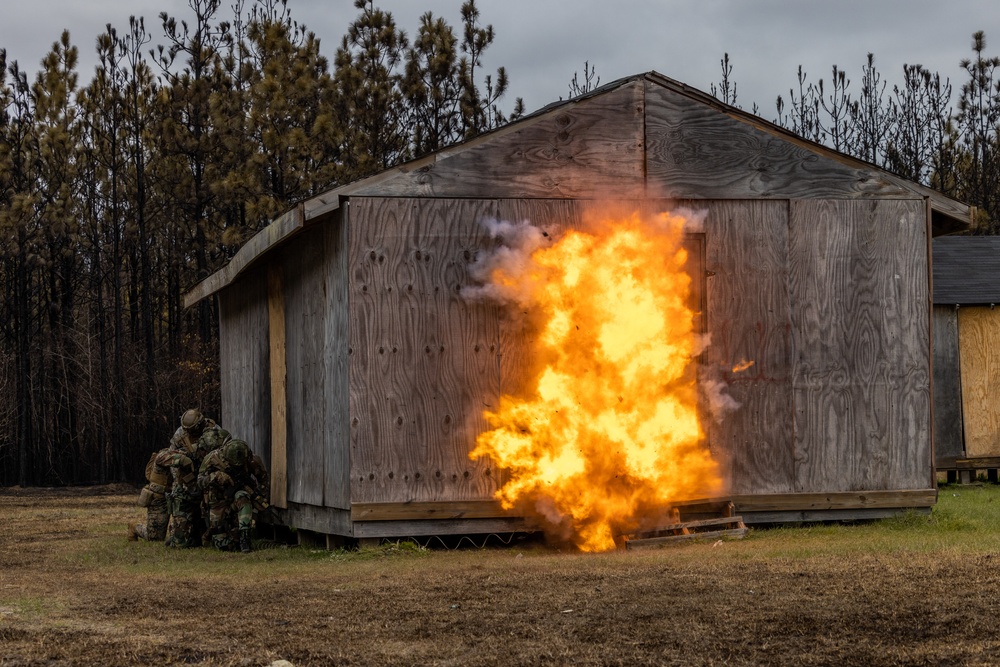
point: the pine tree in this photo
(368, 93)
(432, 87)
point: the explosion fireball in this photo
(609, 434)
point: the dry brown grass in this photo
(73, 591)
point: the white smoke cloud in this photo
(720, 403)
(518, 240)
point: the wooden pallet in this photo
(683, 531)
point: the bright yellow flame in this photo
(610, 431)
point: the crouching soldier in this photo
(184, 499)
(197, 436)
(235, 484)
(154, 498)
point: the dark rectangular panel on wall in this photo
(337, 463)
(243, 352)
(305, 311)
(948, 441)
(858, 287)
(749, 349)
(423, 360)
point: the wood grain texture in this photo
(861, 349)
(948, 435)
(243, 362)
(450, 509)
(978, 333)
(279, 421)
(304, 283)
(582, 149)
(749, 321)
(337, 459)
(327, 520)
(827, 516)
(423, 361)
(948, 215)
(917, 497)
(396, 529)
(695, 151)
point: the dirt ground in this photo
(73, 591)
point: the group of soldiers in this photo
(204, 488)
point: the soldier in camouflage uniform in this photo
(184, 499)
(154, 498)
(235, 484)
(196, 437)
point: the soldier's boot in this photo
(245, 541)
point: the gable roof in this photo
(966, 270)
(645, 135)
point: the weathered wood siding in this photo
(749, 321)
(243, 356)
(978, 333)
(585, 149)
(858, 287)
(337, 446)
(305, 310)
(948, 438)
(695, 151)
(423, 361)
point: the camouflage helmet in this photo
(236, 452)
(191, 419)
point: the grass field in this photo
(915, 590)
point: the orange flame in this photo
(742, 366)
(610, 432)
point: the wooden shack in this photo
(967, 355)
(351, 363)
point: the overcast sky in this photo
(543, 42)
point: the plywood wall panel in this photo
(337, 460)
(697, 151)
(860, 331)
(948, 438)
(305, 309)
(423, 360)
(243, 352)
(589, 148)
(748, 324)
(978, 333)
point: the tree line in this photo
(119, 194)
(919, 128)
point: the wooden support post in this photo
(966, 476)
(279, 421)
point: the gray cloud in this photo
(542, 42)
